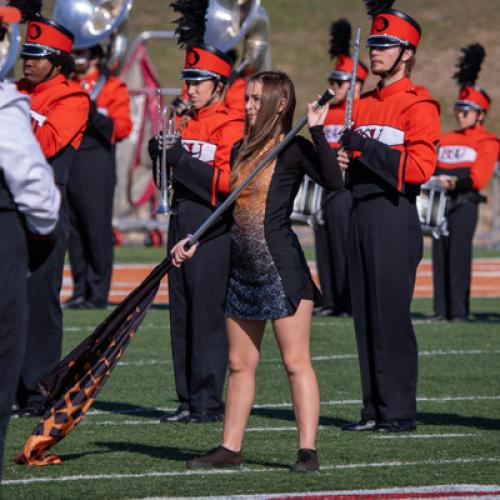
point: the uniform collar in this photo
(405, 84)
(89, 77)
(49, 83)
(202, 113)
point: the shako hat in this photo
(202, 61)
(9, 14)
(45, 37)
(471, 96)
(391, 27)
(340, 50)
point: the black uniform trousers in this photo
(90, 193)
(197, 325)
(452, 262)
(331, 251)
(13, 313)
(45, 325)
(385, 246)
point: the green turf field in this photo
(120, 450)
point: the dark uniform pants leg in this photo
(13, 313)
(385, 246)
(462, 223)
(337, 223)
(76, 254)
(323, 263)
(91, 191)
(197, 324)
(440, 275)
(45, 327)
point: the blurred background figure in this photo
(331, 234)
(469, 155)
(29, 205)
(91, 184)
(59, 112)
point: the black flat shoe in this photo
(73, 303)
(324, 311)
(29, 411)
(307, 461)
(205, 418)
(362, 425)
(179, 415)
(217, 458)
(396, 425)
(435, 317)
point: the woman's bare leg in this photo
(244, 337)
(293, 335)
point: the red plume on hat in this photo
(391, 27)
(471, 96)
(340, 49)
(202, 61)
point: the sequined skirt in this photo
(255, 290)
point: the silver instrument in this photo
(94, 21)
(167, 134)
(230, 22)
(308, 203)
(9, 49)
(431, 208)
(352, 87)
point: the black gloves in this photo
(352, 140)
(154, 148)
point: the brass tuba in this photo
(230, 22)
(94, 21)
(9, 49)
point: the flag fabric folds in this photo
(75, 382)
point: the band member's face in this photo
(253, 98)
(37, 70)
(199, 92)
(466, 118)
(82, 60)
(341, 88)
(382, 59)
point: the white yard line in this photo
(339, 402)
(324, 468)
(427, 436)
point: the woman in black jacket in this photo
(269, 278)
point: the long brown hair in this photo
(270, 123)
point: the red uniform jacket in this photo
(401, 123)
(235, 96)
(334, 124)
(59, 111)
(113, 102)
(470, 155)
(208, 136)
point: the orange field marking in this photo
(485, 280)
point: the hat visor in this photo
(383, 41)
(339, 76)
(468, 106)
(199, 75)
(33, 51)
(10, 15)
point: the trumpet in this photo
(167, 135)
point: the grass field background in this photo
(457, 440)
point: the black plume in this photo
(29, 8)
(340, 38)
(469, 64)
(191, 25)
(374, 7)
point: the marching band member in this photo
(469, 154)
(59, 112)
(92, 181)
(393, 149)
(269, 278)
(331, 236)
(208, 132)
(29, 204)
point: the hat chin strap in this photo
(395, 65)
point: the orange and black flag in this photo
(75, 382)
